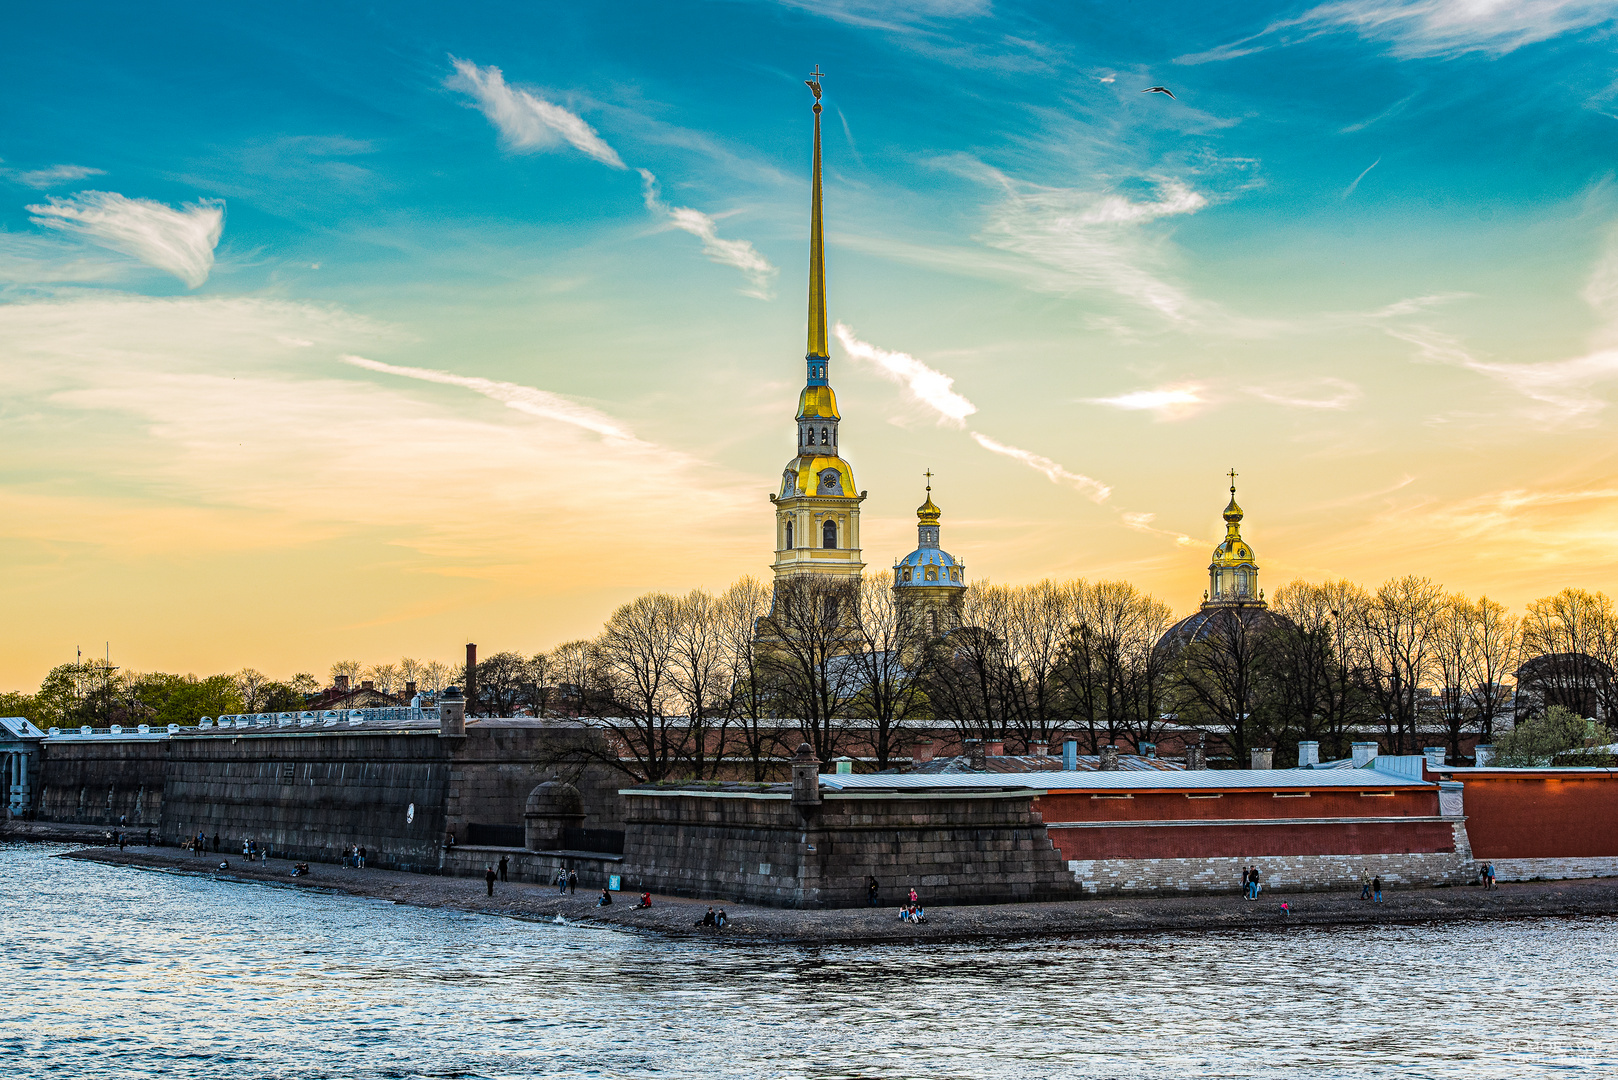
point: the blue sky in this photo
(303, 322)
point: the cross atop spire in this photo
(929, 475)
(1233, 481)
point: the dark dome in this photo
(554, 798)
(1203, 624)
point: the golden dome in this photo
(927, 513)
(817, 403)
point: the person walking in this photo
(1376, 889)
(573, 883)
(216, 841)
(503, 862)
(1488, 877)
(1257, 888)
(488, 878)
(561, 881)
(120, 841)
(1365, 884)
(362, 861)
(913, 896)
(871, 889)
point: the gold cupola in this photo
(1233, 574)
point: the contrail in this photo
(1360, 177)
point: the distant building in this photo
(1573, 680)
(929, 584)
(340, 695)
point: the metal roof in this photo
(1256, 779)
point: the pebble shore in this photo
(674, 916)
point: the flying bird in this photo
(1159, 90)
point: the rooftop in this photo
(1056, 781)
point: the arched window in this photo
(825, 439)
(932, 573)
(1241, 582)
(907, 573)
(789, 532)
(828, 534)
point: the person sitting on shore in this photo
(918, 914)
(721, 920)
(904, 913)
(1286, 909)
(606, 898)
(706, 920)
(645, 900)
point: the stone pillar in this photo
(806, 779)
(975, 755)
(1196, 758)
(1364, 754)
(1485, 754)
(451, 714)
(921, 752)
(1109, 759)
(1070, 755)
(1308, 754)
(1261, 758)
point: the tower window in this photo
(907, 573)
(825, 438)
(932, 573)
(789, 533)
(828, 534)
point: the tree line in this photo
(678, 685)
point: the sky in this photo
(359, 331)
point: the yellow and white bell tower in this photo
(817, 511)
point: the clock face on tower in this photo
(831, 483)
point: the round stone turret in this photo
(552, 807)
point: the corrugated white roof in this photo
(1257, 779)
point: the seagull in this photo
(1159, 90)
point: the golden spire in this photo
(1233, 512)
(818, 345)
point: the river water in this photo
(112, 972)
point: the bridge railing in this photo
(312, 718)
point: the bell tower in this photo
(817, 510)
(1233, 574)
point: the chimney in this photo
(410, 688)
(1109, 759)
(1485, 754)
(974, 755)
(1262, 759)
(1038, 749)
(341, 684)
(1146, 749)
(1196, 757)
(1070, 755)
(367, 684)
(845, 765)
(996, 748)
(471, 675)
(451, 714)
(1434, 756)
(1364, 754)
(805, 778)
(921, 752)
(1308, 754)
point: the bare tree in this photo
(350, 668)
(701, 677)
(1111, 670)
(252, 686)
(1218, 681)
(1400, 625)
(1038, 620)
(580, 685)
(383, 676)
(1474, 648)
(740, 609)
(809, 635)
(502, 679)
(1318, 691)
(889, 657)
(435, 675)
(636, 650)
(536, 691)
(967, 670)
(410, 670)
(1570, 648)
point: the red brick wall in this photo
(1515, 815)
(1160, 805)
(1254, 841)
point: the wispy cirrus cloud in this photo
(737, 253)
(1053, 471)
(54, 175)
(1338, 394)
(180, 242)
(1426, 28)
(527, 122)
(525, 399)
(1168, 402)
(925, 385)
(1097, 240)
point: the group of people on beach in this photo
(1370, 887)
(354, 857)
(1486, 877)
(717, 920)
(1250, 883)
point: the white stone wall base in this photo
(1553, 869)
(1294, 873)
